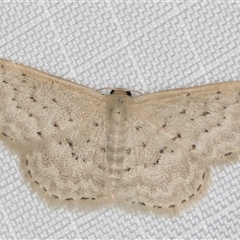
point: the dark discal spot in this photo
(164, 125)
(36, 182)
(183, 201)
(60, 143)
(142, 203)
(199, 187)
(26, 161)
(69, 199)
(224, 107)
(18, 107)
(205, 113)
(172, 151)
(193, 146)
(183, 111)
(70, 120)
(178, 136)
(69, 142)
(191, 119)
(191, 196)
(206, 130)
(2, 66)
(203, 176)
(13, 99)
(44, 189)
(4, 81)
(128, 151)
(163, 149)
(103, 149)
(157, 162)
(84, 198)
(15, 89)
(227, 154)
(188, 94)
(34, 100)
(55, 125)
(44, 107)
(172, 206)
(29, 173)
(30, 115)
(138, 127)
(88, 140)
(39, 133)
(54, 100)
(4, 134)
(74, 155)
(219, 124)
(95, 124)
(217, 98)
(156, 206)
(218, 92)
(55, 196)
(24, 74)
(127, 169)
(144, 145)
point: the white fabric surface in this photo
(142, 46)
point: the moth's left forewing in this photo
(204, 119)
(173, 138)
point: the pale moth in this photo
(77, 145)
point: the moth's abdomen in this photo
(117, 128)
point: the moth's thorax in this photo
(117, 126)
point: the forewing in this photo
(35, 105)
(57, 129)
(204, 120)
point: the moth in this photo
(76, 145)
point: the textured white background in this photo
(142, 46)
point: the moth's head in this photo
(121, 91)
